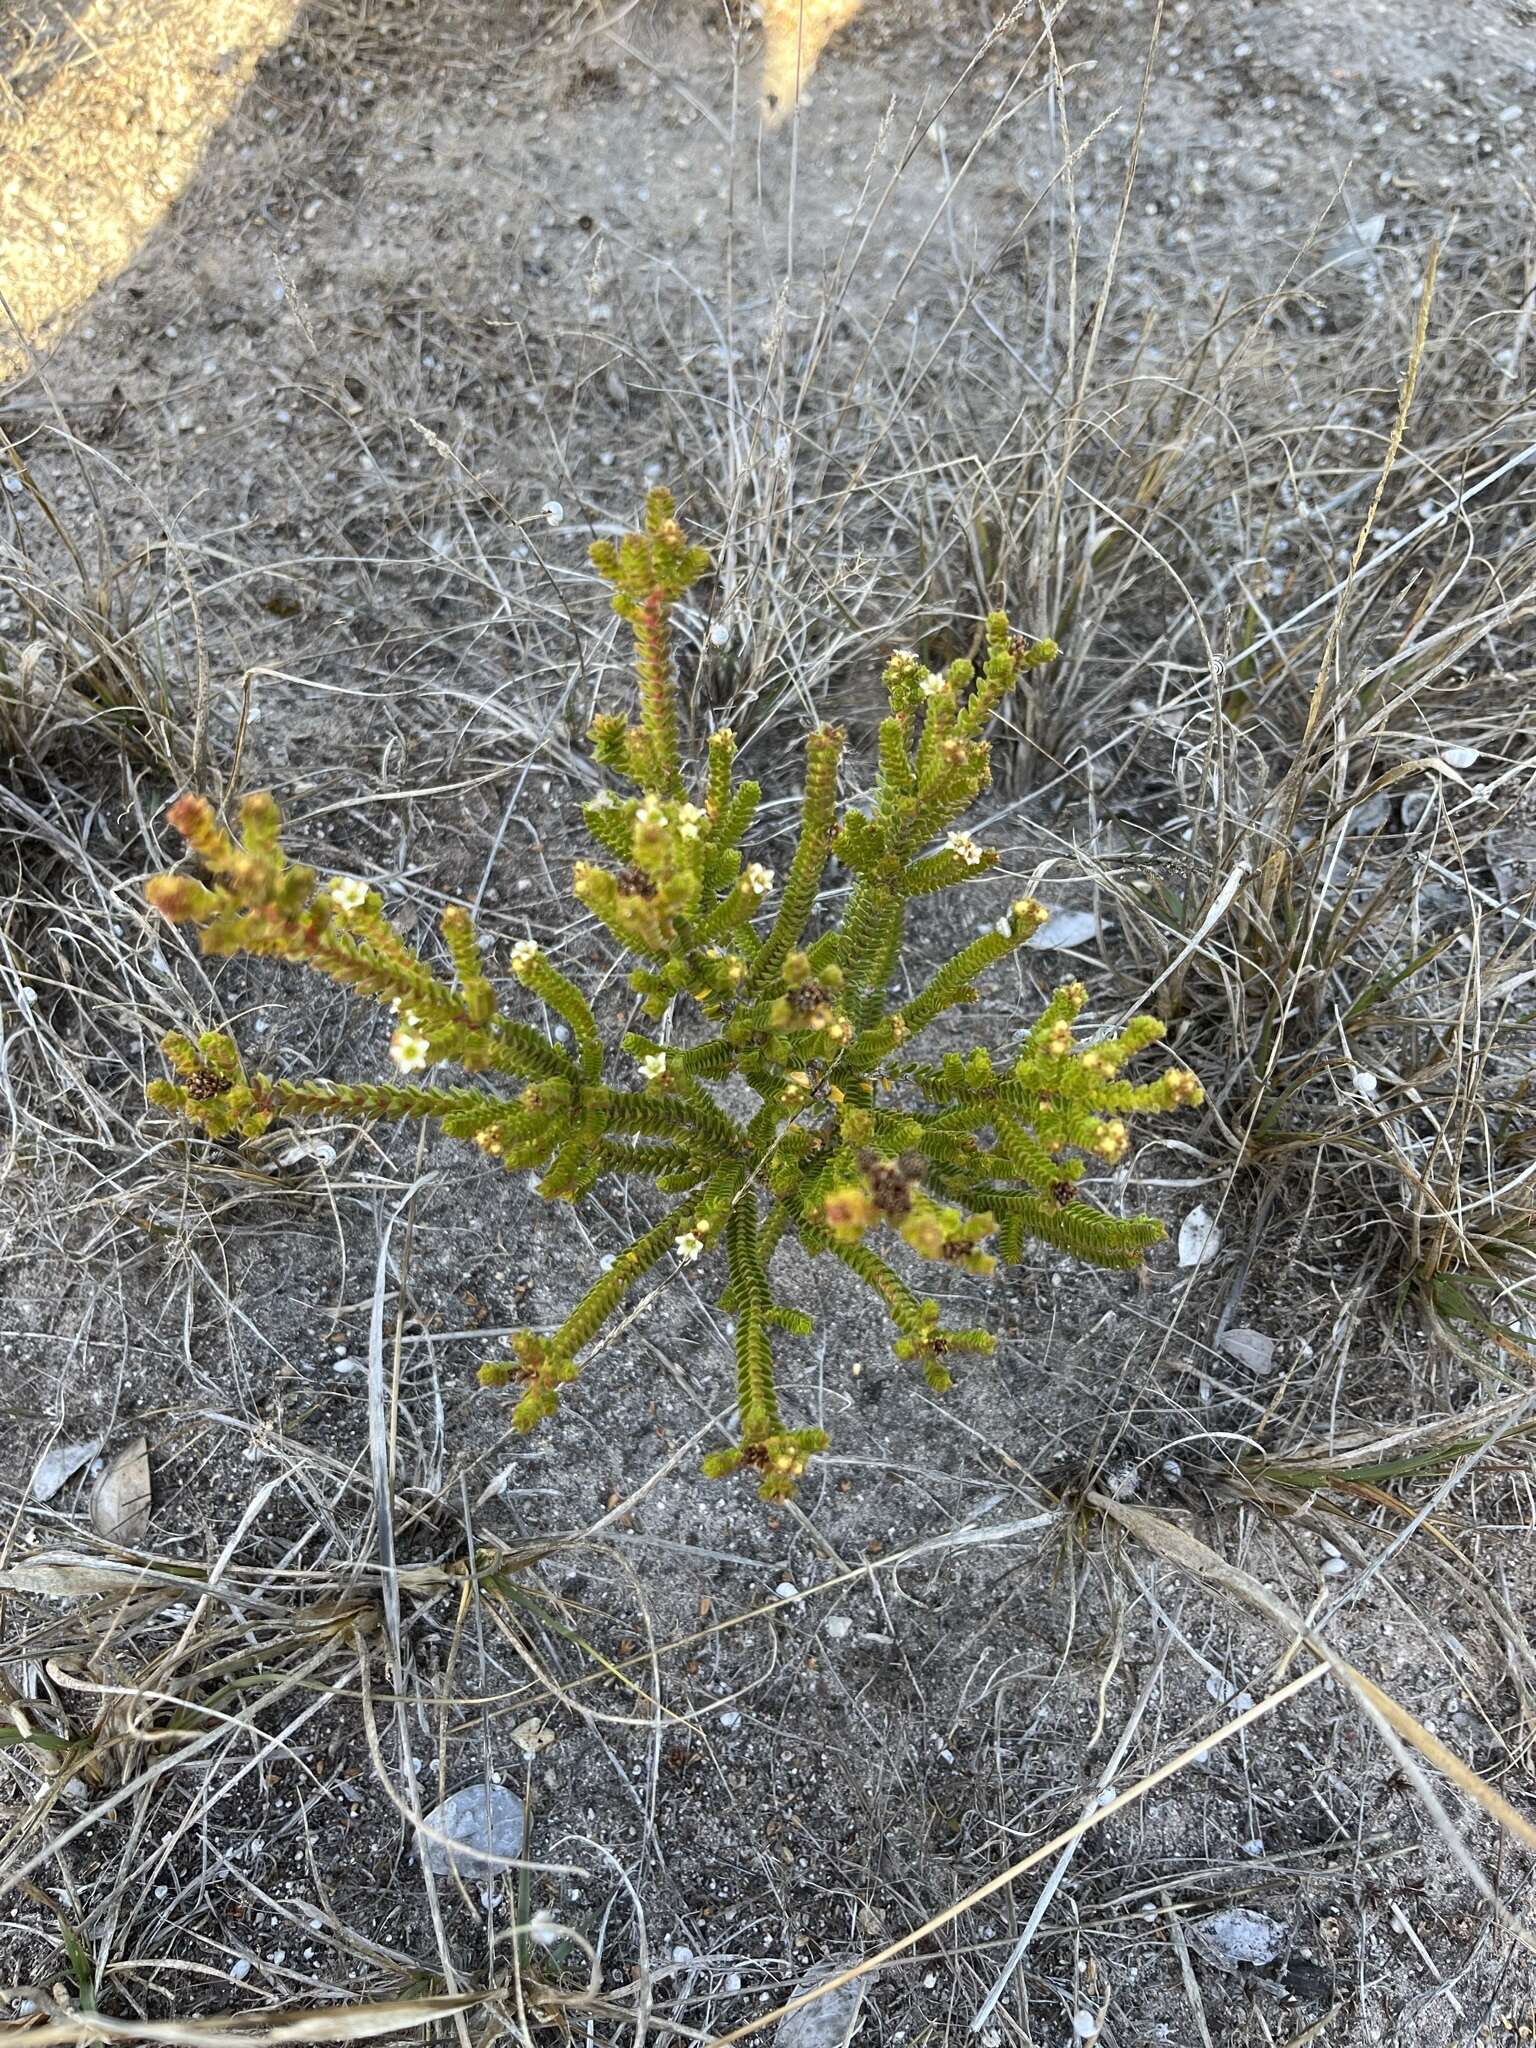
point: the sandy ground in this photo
(94, 151)
(107, 114)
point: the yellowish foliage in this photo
(796, 32)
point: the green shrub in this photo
(852, 1142)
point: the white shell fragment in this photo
(307, 1152)
(60, 1464)
(1250, 1348)
(1226, 1694)
(1199, 1238)
(1064, 928)
(1355, 245)
(1371, 815)
(484, 1827)
(830, 2022)
(1238, 1937)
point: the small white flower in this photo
(653, 1065)
(965, 846)
(651, 814)
(756, 878)
(348, 893)
(524, 953)
(933, 685)
(603, 801)
(409, 1051)
(689, 819)
(688, 1246)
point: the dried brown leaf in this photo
(121, 1504)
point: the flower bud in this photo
(180, 898)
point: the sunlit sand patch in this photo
(91, 160)
(795, 34)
